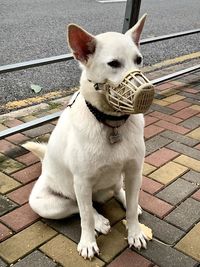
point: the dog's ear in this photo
(136, 30)
(81, 43)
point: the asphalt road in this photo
(31, 29)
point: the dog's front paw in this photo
(102, 225)
(88, 249)
(137, 238)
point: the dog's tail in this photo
(38, 149)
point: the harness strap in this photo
(70, 105)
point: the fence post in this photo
(131, 14)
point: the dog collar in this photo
(106, 118)
(114, 122)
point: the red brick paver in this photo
(190, 90)
(28, 159)
(21, 195)
(17, 138)
(196, 195)
(172, 127)
(165, 117)
(130, 258)
(28, 174)
(160, 157)
(179, 105)
(150, 185)
(186, 113)
(12, 122)
(20, 218)
(154, 204)
(152, 130)
(198, 146)
(164, 86)
(149, 120)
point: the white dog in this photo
(93, 147)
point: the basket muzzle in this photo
(134, 94)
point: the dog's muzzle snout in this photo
(133, 95)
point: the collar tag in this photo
(115, 137)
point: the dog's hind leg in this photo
(50, 205)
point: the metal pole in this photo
(131, 14)
(40, 121)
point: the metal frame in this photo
(35, 63)
(131, 17)
(37, 122)
(66, 57)
(168, 36)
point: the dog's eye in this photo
(138, 60)
(114, 63)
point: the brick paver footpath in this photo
(170, 192)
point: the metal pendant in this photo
(115, 137)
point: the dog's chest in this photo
(106, 177)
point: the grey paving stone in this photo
(2, 263)
(186, 150)
(166, 256)
(69, 227)
(47, 128)
(177, 191)
(35, 259)
(189, 95)
(161, 229)
(192, 101)
(191, 123)
(192, 176)
(16, 152)
(196, 86)
(162, 109)
(6, 205)
(148, 111)
(190, 79)
(156, 143)
(159, 96)
(185, 215)
(179, 138)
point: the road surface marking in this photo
(172, 61)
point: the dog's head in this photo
(107, 56)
